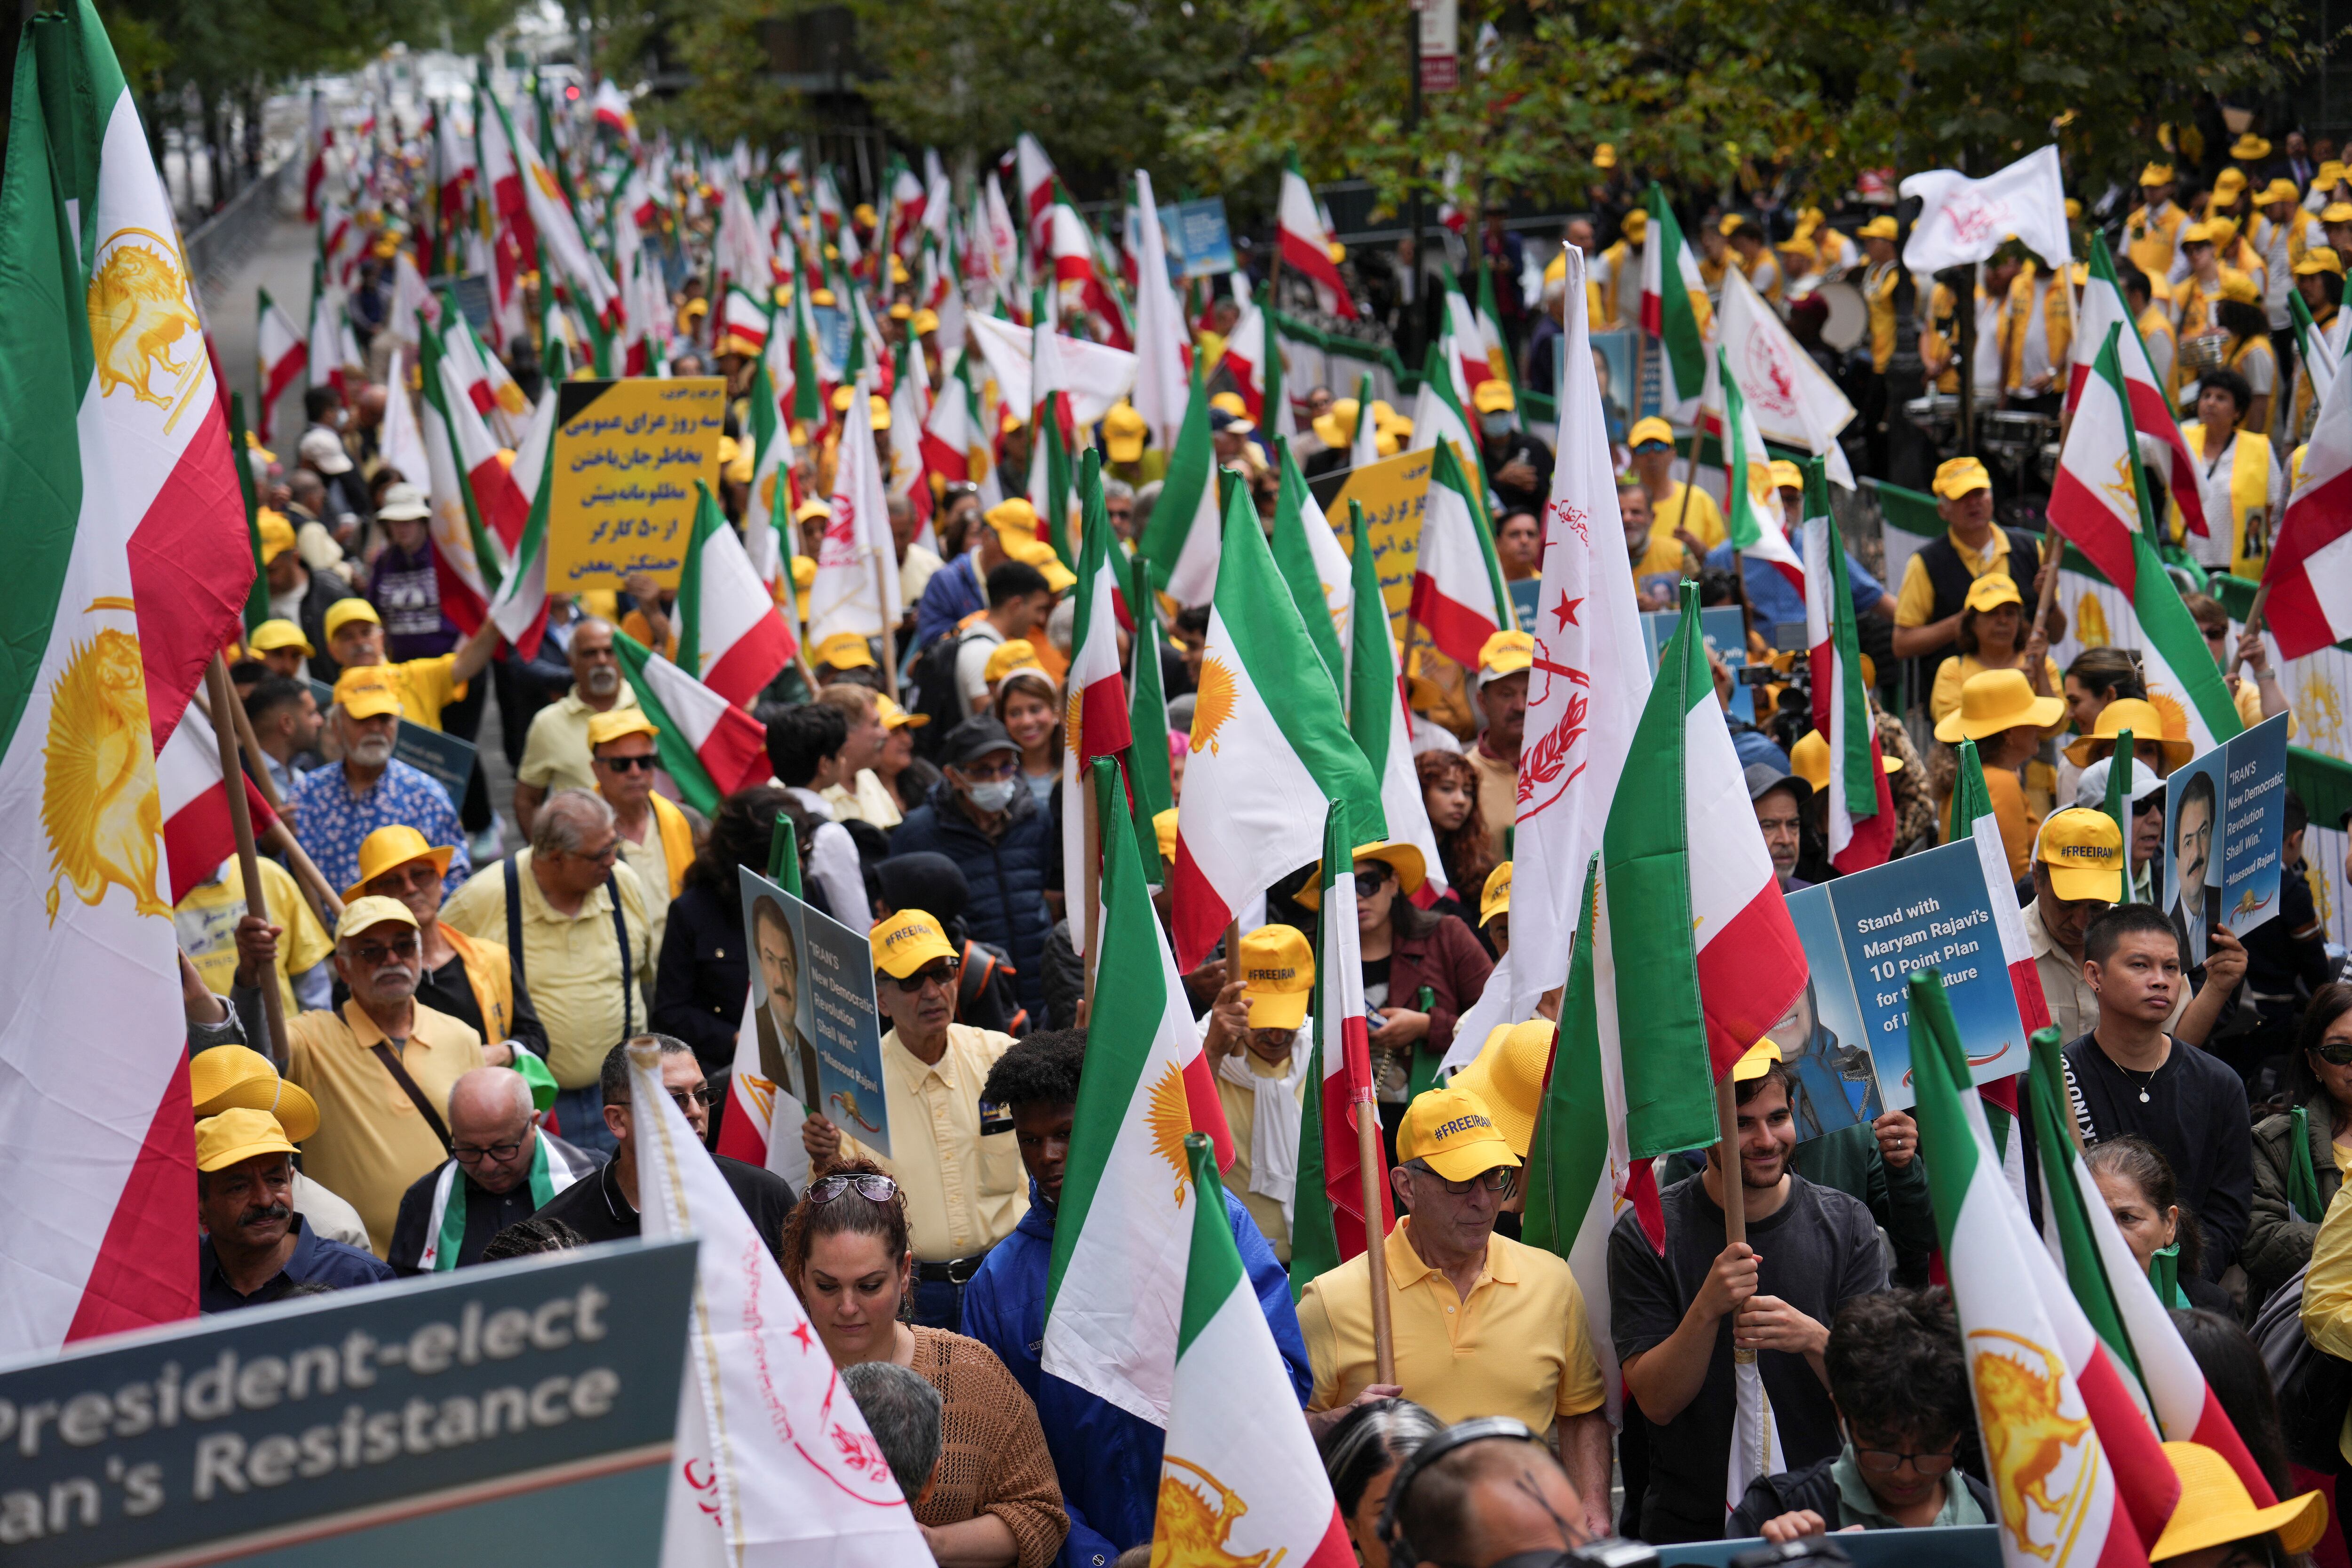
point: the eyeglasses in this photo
(1369, 880)
(942, 973)
(874, 1189)
(649, 762)
(1885, 1462)
(466, 1156)
(373, 953)
(2335, 1052)
(1495, 1181)
(980, 773)
(687, 1098)
(604, 857)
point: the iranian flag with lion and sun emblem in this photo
(114, 426)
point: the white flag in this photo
(1966, 220)
(1791, 398)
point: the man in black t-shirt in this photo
(606, 1208)
(2129, 1075)
(1675, 1317)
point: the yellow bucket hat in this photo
(1997, 700)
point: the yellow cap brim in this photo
(1465, 1160)
(222, 1159)
(1275, 1009)
(371, 707)
(1124, 448)
(1757, 1062)
(908, 960)
(2072, 882)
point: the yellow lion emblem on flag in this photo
(138, 310)
(2028, 1436)
(99, 803)
(1194, 1526)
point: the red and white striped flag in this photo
(730, 636)
(2310, 572)
(2102, 307)
(1861, 807)
(1095, 718)
(281, 353)
(197, 833)
(1306, 243)
(1458, 595)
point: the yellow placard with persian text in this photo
(627, 456)
(1393, 491)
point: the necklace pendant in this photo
(2143, 1097)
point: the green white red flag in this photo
(1240, 1472)
(1437, 416)
(1674, 314)
(1458, 595)
(1378, 715)
(707, 745)
(1182, 539)
(1751, 504)
(1308, 554)
(2310, 571)
(479, 512)
(729, 635)
(2102, 308)
(1861, 806)
(1306, 243)
(1095, 714)
(280, 353)
(520, 605)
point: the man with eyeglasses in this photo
(574, 922)
(1677, 1314)
(604, 1207)
(1483, 1325)
(381, 1067)
(657, 838)
(951, 1153)
(501, 1168)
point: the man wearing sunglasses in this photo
(502, 1168)
(1483, 1325)
(657, 838)
(951, 1151)
(377, 1066)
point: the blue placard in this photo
(1200, 242)
(820, 1028)
(374, 1425)
(1863, 936)
(1525, 593)
(2224, 817)
(1725, 627)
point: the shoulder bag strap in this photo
(391, 1064)
(514, 922)
(628, 970)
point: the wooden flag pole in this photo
(248, 862)
(1092, 913)
(889, 637)
(1735, 1208)
(257, 761)
(282, 838)
(1374, 1167)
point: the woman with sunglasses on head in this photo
(2300, 1157)
(952, 1153)
(1899, 1379)
(1422, 972)
(848, 1253)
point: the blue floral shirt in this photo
(331, 821)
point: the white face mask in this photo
(993, 795)
(1496, 423)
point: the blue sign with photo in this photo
(1200, 242)
(820, 1026)
(2224, 819)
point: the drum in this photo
(2201, 352)
(1937, 414)
(2016, 434)
(2049, 464)
(1848, 320)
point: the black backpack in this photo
(932, 693)
(2322, 1385)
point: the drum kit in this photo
(2022, 441)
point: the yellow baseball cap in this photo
(1787, 476)
(395, 844)
(1337, 427)
(2156, 174)
(1604, 156)
(1123, 432)
(907, 940)
(1013, 518)
(1507, 1074)
(364, 691)
(924, 322)
(276, 535)
(1231, 403)
(1808, 760)
(273, 635)
(1401, 859)
(2144, 721)
(235, 1077)
(811, 509)
(846, 651)
(1164, 828)
(2277, 190)
(617, 722)
(1993, 590)
(2084, 851)
(901, 310)
(2336, 212)
(1636, 225)
(2197, 234)
(894, 717)
(1014, 653)
(1277, 976)
(1647, 431)
(365, 914)
(238, 1134)
(1993, 701)
(1493, 395)
(1957, 476)
(2248, 149)
(1798, 245)
(2229, 183)
(1883, 226)
(1505, 653)
(803, 573)
(2216, 1509)
(2237, 286)
(1036, 552)
(2329, 173)
(343, 612)
(2318, 258)
(1756, 1063)
(1495, 899)
(1452, 1131)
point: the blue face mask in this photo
(993, 795)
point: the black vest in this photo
(1948, 576)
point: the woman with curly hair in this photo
(1449, 790)
(993, 1501)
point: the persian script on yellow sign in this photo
(628, 454)
(1393, 491)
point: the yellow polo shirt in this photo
(657, 869)
(555, 752)
(1915, 602)
(425, 686)
(1241, 1119)
(964, 1193)
(571, 964)
(1517, 1345)
(1705, 518)
(373, 1141)
(206, 921)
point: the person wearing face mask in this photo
(984, 818)
(1518, 466)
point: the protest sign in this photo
(448, 760)
(1848, 1039)
(533, 1403)
(1200, 243)
(2224, 815)
(1725, 631)
(1391, 492)
(627, 456)
(812, 1002)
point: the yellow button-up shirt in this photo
(555, 752)
(1517, 1345)
(2327, 1291)
(571, 964)
(965, 1192)
(373, 1141)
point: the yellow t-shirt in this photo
(1915, 602)
(425, 688)
(965, 1191)
(207, 921)
(1241, 1119)
(373, 1141)
(1517, 1345)
(571, 964)
(1704, 518)
(1664, 554)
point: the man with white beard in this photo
(338, 805)
(555, 754)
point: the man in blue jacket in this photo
(1109, 1460)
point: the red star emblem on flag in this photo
(1563, 613)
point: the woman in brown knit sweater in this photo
(992, 1501)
